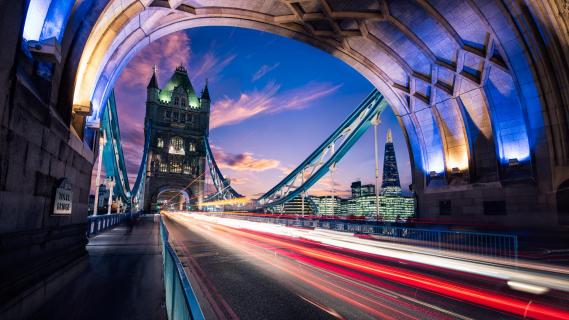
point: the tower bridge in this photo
(479, 87)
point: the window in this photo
(167, 114)
(46, 19)
(176, 101)
(176, 146)
(175, 117)
(192, 147)
(160, 143)
(187, 168)
(183, 102)
(175, 167)
(182, 117)
(163, 167)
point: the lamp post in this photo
(102, 141)
(375, 122)
(110, 185)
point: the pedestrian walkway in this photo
(124, 278)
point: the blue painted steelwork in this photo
(327, 154)
(113, 158)
(100, 223)
(138, 188)
(181, 300)
(222, 185)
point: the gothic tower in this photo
(177, 122)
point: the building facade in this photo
(177, 120)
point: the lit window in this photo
(46, 19)
(187, 168)
(175, 167)
(160, 143)
(163, 167)
(176, 146)
(192, 147)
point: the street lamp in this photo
(110, 185)
(375, 122)
(102, 141)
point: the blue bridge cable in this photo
(369, 108)
(222, 185)
(113, 158)
(140, 177)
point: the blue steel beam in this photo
(327, 154)
(113, 158)
(138, 188)
(222, 185)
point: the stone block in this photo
(50, 142)
(56, 168)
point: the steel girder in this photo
(327, 154)
(222, 185)
(113, 158)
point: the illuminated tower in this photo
(178, 121)
(390, 184)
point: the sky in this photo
(274, 100)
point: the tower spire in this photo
(205, 91)
(390, 184)
(153, 82)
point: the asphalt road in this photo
(244, 274)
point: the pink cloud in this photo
(229, 111)
(242, 162)
(263, 71)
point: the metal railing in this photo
(181, 301)
(100, 223)
(495, 245)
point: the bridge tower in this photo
(178, 121)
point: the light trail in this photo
(295, 244)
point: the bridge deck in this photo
(123, 281)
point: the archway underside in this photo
(455, 75)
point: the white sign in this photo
(63, 198)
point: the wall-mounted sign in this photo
(63, 198)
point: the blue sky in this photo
(274, 100)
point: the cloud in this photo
(263, 71)
(245, 161)
(325, 187)
(210, 66)
(167, 53)
(229, 111)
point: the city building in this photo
(177, 122)
(296, 206)
(393, 206)
(328, 205)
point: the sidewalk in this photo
(124, 279)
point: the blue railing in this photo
(100, 223)
(495, 245)
(181, 301)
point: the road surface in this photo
(250, 274)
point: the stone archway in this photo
(462, 81)
(171, 198)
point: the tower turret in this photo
(152, 89)
(205, 99)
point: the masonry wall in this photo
(37, 149)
